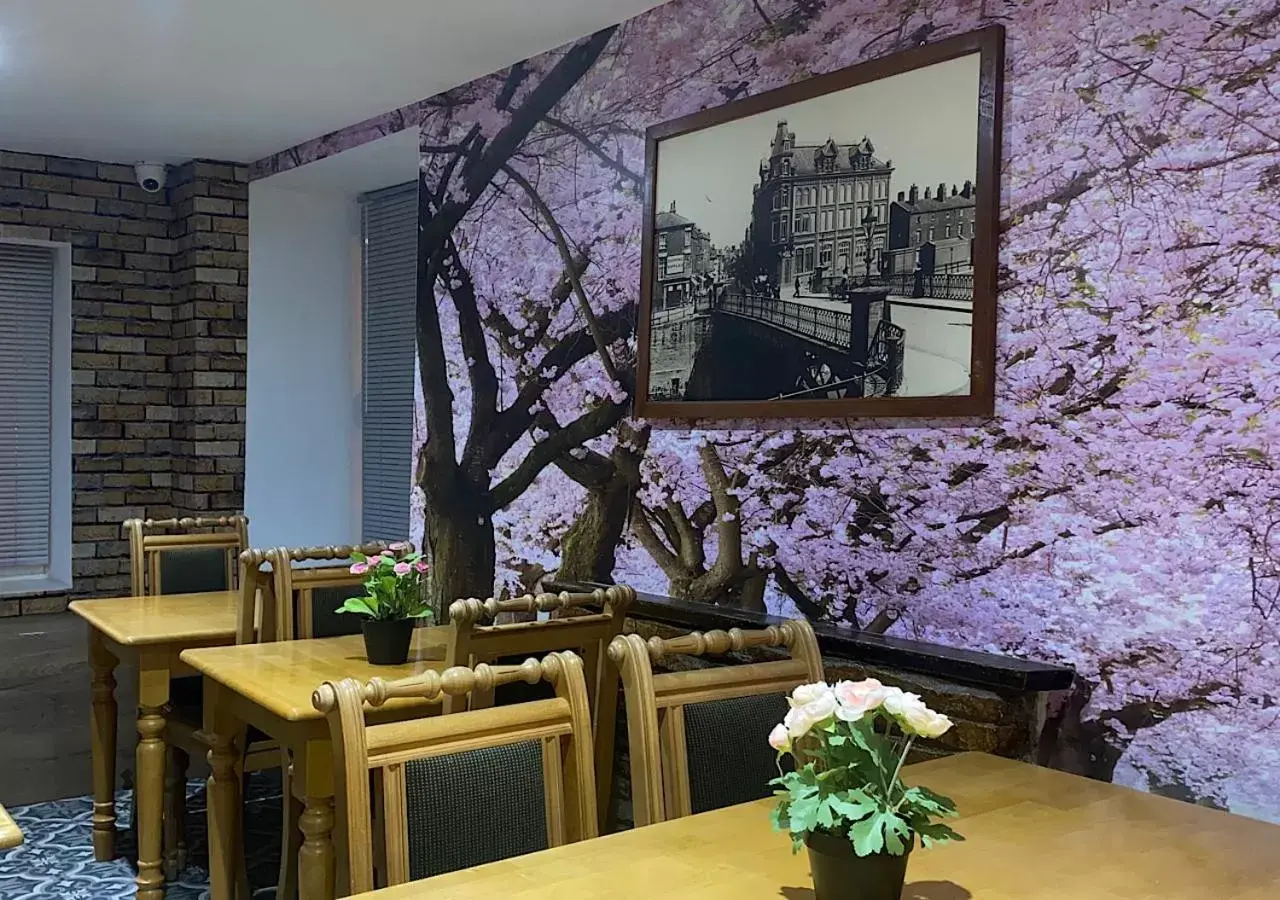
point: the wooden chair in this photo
(183, 556)
(201, 556)
(464, 789)
(283, 599)
(570, 627)
(698, 739)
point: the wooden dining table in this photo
(269, 686)
(149, 633)
(10, 833)
(1031, 834)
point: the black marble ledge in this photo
(988, 670)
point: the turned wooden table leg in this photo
(150, 801)
(153, 697)
(103, 748)
(225, 810)
(313, 785)
(316, 856)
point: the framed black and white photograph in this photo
(828, 248)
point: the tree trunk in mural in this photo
(588, 549)
(675, 538)
(459, 493)
(460, 534)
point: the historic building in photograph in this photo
(820, 213)
(935, 231)
(684, 259)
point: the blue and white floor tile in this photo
(56, 861)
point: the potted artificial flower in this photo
(392, 605)
(844, 800)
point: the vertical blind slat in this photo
(390, 272)
(26, 358)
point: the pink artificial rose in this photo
(857, 698)
(779, 739)
(421, 567)
(359, 568)
(402, 568)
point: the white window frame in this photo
(58, 574)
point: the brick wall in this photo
(210, 232)
(151, 337)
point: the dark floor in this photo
(44, 710)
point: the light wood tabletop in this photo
(269, 686)
(281, 676)
(10, 833)
(149, 632)
(166, 618)
(1032, 834)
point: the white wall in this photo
(302, 432)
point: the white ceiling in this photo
(168, 80)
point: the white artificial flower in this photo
(801, 719)
(805, 694)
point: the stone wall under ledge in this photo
(999, 704)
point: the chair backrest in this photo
(460, 790)
(184, 556)
(282, 598)
(698, 739)
(571, 626)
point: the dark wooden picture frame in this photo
(825, 400)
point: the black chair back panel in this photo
(730, 760)
(325, 620)
(193, 571)
(467, 809)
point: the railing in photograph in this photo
(940, 285)
(826, 326)
(885, 361)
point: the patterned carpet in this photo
(57, 859)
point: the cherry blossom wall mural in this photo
(1118, 512)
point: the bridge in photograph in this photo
(760, 346)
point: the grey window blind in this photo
(26, 358)
(390, 227)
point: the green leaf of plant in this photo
(867, 836)
(357, 605)
(779, 816)
(803, 814)
(927, 801)
(936, 833)
(853, 805)
(880, 831)
(357, 556)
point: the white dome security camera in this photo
(151, 176)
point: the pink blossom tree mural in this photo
(1118, 513)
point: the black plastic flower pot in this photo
(386, 641)
(840, 874)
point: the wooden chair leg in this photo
(291, 834)
(175, 813)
